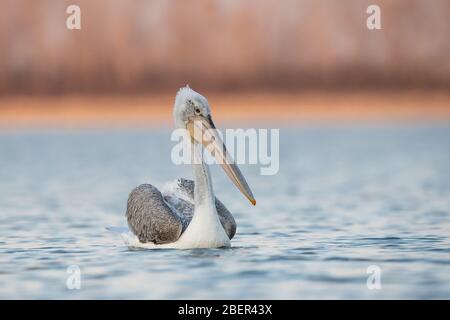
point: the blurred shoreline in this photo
(155, 110)
(142, 46)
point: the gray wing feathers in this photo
(150, 218)
(226, 218)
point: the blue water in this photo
(345, 198)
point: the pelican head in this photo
(192, 112)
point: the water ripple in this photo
(344, 199)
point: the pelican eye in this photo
(197, 111)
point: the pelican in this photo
(186, 214)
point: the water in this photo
(344, 199)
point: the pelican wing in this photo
(150, 218)
(179, 195)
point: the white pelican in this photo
(187, 214)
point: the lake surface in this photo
(345, 198)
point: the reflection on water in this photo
(344, 199)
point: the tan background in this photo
(313, 59)
(149, 45)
